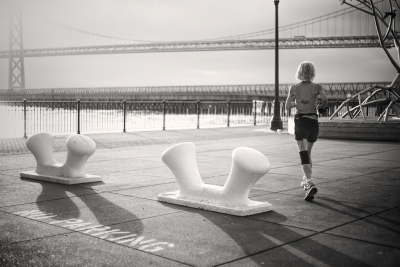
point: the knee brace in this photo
(305, 158)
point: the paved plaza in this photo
(353, 221)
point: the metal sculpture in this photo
(377, 93)
(248, 166)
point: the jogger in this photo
(306, 128)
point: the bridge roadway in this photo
(264, 92)
(256, 44)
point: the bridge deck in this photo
(252, 44)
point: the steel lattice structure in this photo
(337, 91)
(16, 64)
(260, 44)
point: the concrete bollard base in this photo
(61, 180)
(253, 207)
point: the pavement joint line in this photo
(97, 142)
(47, 200)
(289, 189)
(357, 209)
(354, 203)
(298, 187)
(126, 188)
(350, 177)
(163, 257)
(282, 224)
(112, 224)
(390, 150)
(360, 182)
(33, 239)
(347, 177)
(350, 157)
(389, 209)
(356, 220)
(275, 247)
(346, 213)
(362, 240)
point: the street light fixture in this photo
(276, 122)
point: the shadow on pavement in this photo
(251, 234)
(105, 211)
(364, 218)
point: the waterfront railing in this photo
(25, 118)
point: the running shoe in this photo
(311, 191)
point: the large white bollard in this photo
(248, 166)
(80, 148)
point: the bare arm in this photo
(324, 98)
(289, 104)
(322, 107)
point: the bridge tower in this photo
(16, 70)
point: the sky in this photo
(176, 20)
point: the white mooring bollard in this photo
(80, 148)
(248, 166)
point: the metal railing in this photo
(24, 118)
(65, 117)
(373, 110)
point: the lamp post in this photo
(276, 122)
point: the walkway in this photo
(354, 220)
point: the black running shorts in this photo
(306, 128)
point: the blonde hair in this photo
(305, 72)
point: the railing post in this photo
(255, 112)
(79, 115)
(198, 114)
(229, 110)
(164, 109)
(328, 108)
(25, 137)
(269, 109)
(124, 107)
(337, 105)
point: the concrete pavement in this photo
(353, 221)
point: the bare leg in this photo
(310, 146)
(303, 145)
(308, 182)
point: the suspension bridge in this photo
(38, 36)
